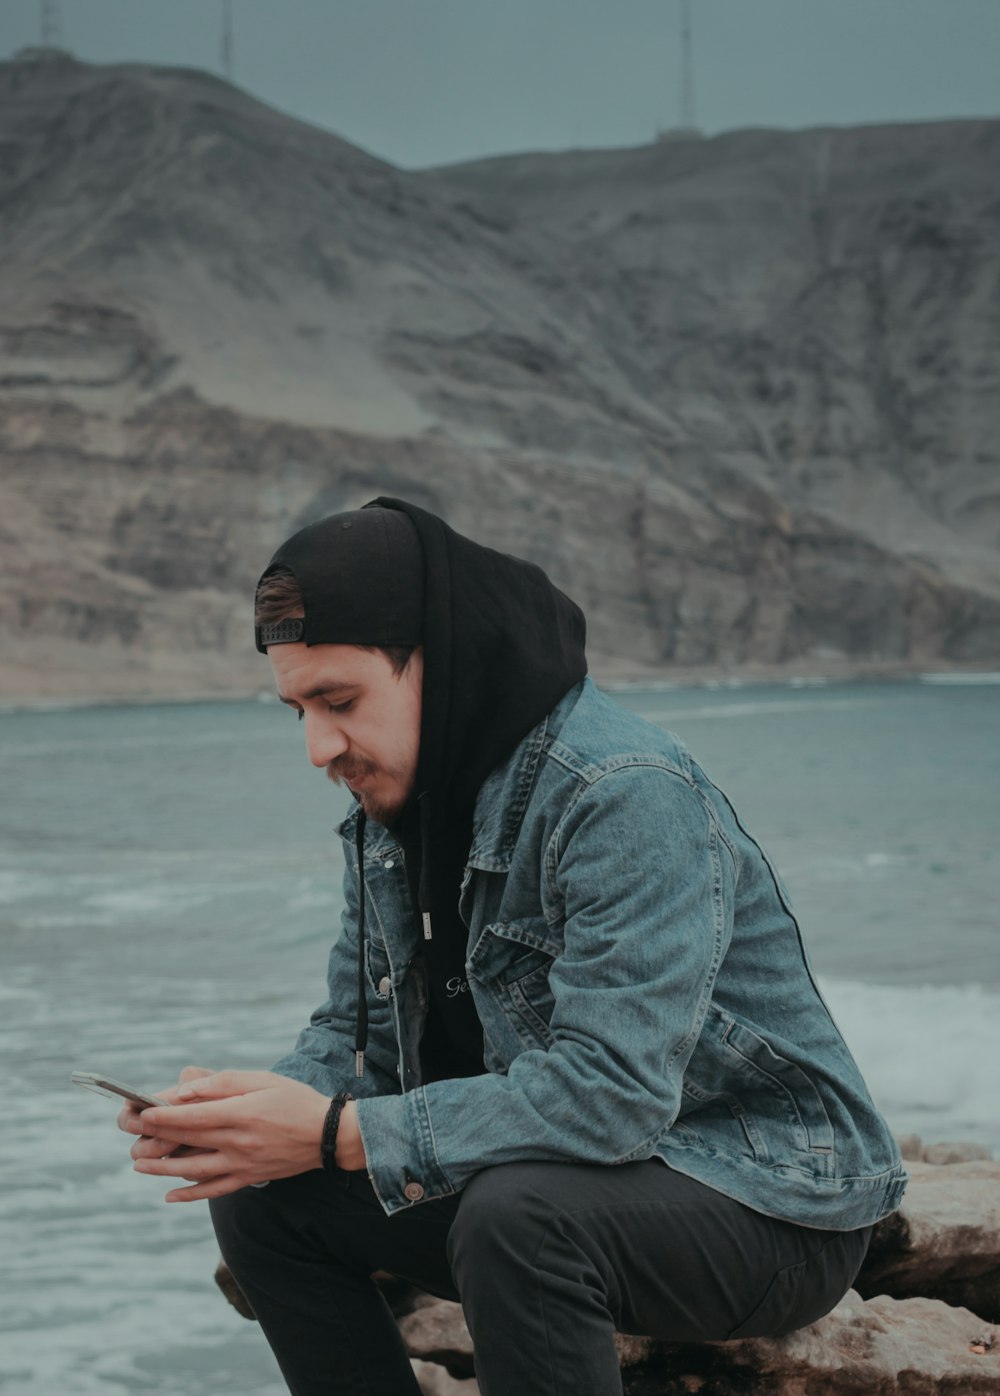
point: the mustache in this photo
(347, 768)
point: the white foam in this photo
(957, 679)
(136, 901)
(11, 992)
(885, 860)
(312, 899)
(19, 886)
(928, 1053)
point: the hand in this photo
(242, 1127)
(129, 1117)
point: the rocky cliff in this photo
(738, 396)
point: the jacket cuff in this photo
(399, 1150)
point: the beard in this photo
(347, 768)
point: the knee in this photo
(503, 1215)
(257, 1225)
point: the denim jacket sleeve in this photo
(323, 1056)
(639, 876)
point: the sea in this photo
(169, 889)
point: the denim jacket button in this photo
(384, 985)
(390, 863)
(413, 1192)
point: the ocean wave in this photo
(760, 708)
(114, 745)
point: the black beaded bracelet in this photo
(328, 1144)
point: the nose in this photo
(324, 739)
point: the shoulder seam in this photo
(590, 772)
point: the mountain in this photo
(738, 395)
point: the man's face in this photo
(362, 721)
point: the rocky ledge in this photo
(922, 1320)
(883, 1346)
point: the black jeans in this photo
(548, 1260)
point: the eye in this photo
(341, 707)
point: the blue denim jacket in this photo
(642, 985)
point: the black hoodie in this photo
(501, 646)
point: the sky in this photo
(424, 82)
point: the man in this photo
(574, 1068)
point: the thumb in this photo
(191, 1073)
(221, 1084)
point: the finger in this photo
(134, 1125)
(178, 1091)
(161, 1148)
(194, 1167)
(178, 1122)
(173, 1093)
(208, 1188)
(224, 1083)
(192, 1073)
(208, 1142)
(145, 1147)
(127, 1119)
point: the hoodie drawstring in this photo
(361, 1029)
(424, 898)
(424, 887)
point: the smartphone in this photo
(103, 1085)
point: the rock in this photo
(226, 1281)
(960, 1151)
(911, 1146)
(892, 1347)
(944, 1242)
(913, 1149)
(437, 1332)
(882, 1347)
(435, 1381)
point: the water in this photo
(169, 881)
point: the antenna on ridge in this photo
(226, 47)
(687, 70)
(51, 24)
(687, 128)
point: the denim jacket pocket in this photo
(734, 1075)
(780, 1093)
(512, 961)
(528, 993)
(377, 970)
(502, 942)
